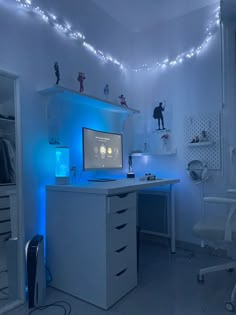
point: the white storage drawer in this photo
(4, 202)
(119, 236)
(122, 229)
(121, 202)
(4, 215)
(121, 283)
(120, 217)
(5, 227)
(119, 259)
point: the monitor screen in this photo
(102, 150)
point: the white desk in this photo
(91, 237)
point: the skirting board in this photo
(184, 245)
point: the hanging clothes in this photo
(7, 161)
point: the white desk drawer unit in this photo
(122, 249)
(98, 245)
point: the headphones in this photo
(198, 171)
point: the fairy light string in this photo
(68, 30)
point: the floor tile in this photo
(167, 286)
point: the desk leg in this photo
(172, 214)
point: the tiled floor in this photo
(167, 286)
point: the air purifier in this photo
(36, 271)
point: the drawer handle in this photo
(121, 272)
(5, 233)
(121, 249)
(3, 197)
(3, 209)
(123, 195)
(121, 211)
(3, 221)
(120, 227)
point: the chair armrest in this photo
(220, 200)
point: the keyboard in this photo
(101, 179)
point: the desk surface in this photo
(113, 187)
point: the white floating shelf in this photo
(201, 144)
(87, 100)
(6, 123)
(172, 152)
(161, 131)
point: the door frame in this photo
(19, 193)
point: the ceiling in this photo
(139, 15)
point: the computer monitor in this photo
(102, 150)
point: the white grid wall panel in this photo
(210, 151)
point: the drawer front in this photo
(4, 202)
(121, 202)
(5, 227)
(122, 229)
(120, 217)
(4, 215)
(121, 283)
(122, 258)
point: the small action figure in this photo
(106, 90)
(81, 78)
(157, 114)
(57, 72)
(165, 138)
(122, 100)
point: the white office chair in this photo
(218, 229)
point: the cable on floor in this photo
(58, 304)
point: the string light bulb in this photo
(68, 30)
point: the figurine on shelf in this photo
(57, 72)
(157, 114)
(106, 90)
(122, 100)
(203, 136)
(195, 140)
(165, 139)
(81, 78)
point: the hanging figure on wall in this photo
(81, 78)
(122, 100)
(158, 114)
(57, 72)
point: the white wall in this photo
(29, 48)
(191, 88)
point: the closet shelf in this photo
(201, 144)
(88, 100)
(6, 120)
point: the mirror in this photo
(10, 232)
